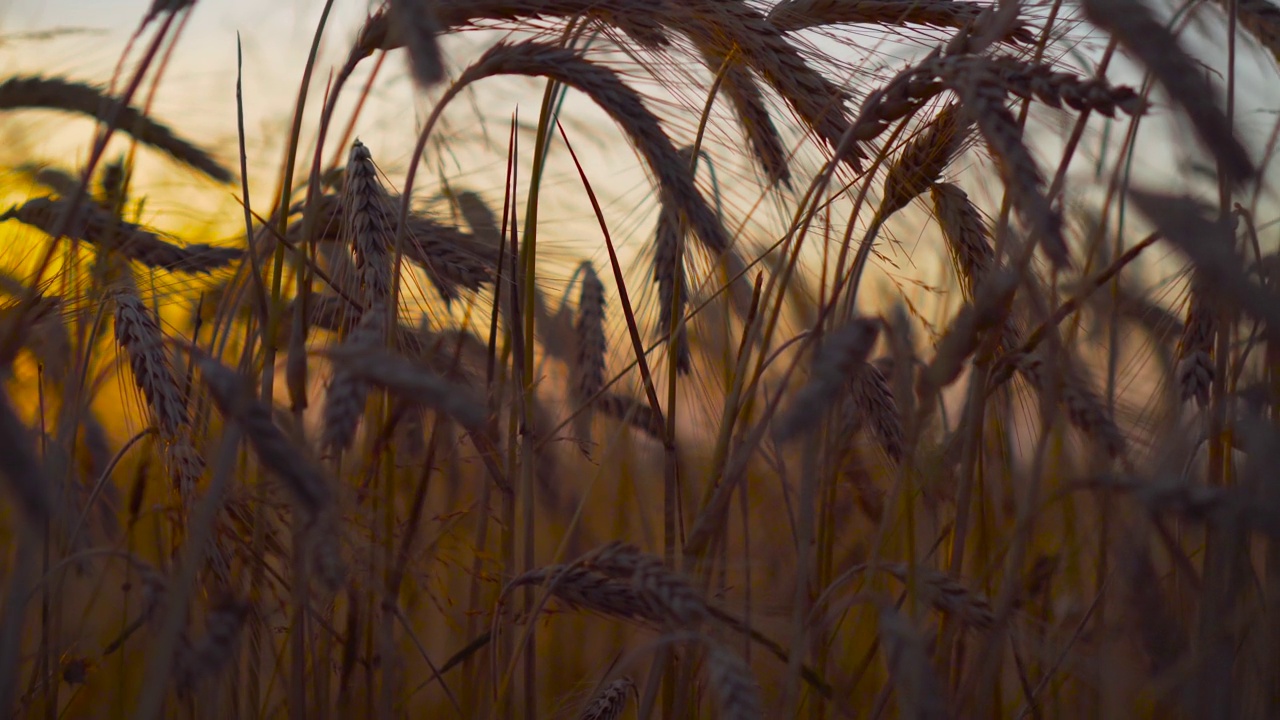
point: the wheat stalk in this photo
(966, 235)
(301, 475)
(589, 334)
(1131, 23)
(405, 378)
(215, 650)
(1085, 410)
(947, 595)
(920, 694)
(801, 14)
(624, 105)
(748, 100)
(21, 468)
(1055, 88)
(415, 20)
(984, 99)
(735, 687)
(95, 225)
(344, 402)
(21, 92)
(843, 351)
(987, 311)
(1261, 19)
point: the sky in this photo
(197, 96)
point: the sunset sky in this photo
(197, 96)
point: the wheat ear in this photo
(843, 351)
(1131, 23)
(138, 333)
(922, 162)
(36, 92)
(366, 212)
(416, 21)
(801, 14)
(874, 403)
(95, 225)
(609, 703)
(984, 99)
(344, 402)
(673, 291)
(1195, 369)
(300, 474)
(624, 105)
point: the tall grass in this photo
(904, 392)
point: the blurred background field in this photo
(596, 426)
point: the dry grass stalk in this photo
(673, 291)
(95, 225)
(638, 415)
(302, 476)
(843, 351)
(138, 333)
(367, 212)
(610, 701)
(737, 694)
(873, 402)
(345, 400)
(1131, 23)
(920, 694)
(985, 99)
(416, 21)
(1195, 369)
(966, 235)
(623, 104)
(801, 14)
(57, 94)
(922, 162)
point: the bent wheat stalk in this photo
(34, 92)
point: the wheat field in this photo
(691, 358)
